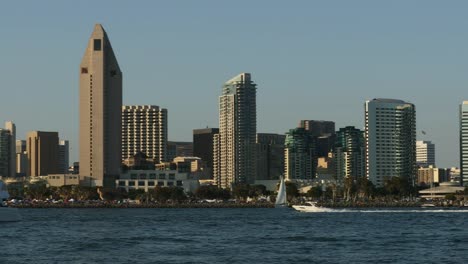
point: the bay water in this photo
(235, 236)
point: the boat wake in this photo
(355, 210)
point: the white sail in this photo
(281, 198)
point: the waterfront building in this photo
(237, 132)
(144, 129)
(149, 179)
(300, 155)
(324, 131)
(59, 180)
(429, 175)
(390, 135)
(464, 143)
(425, 153)
(42, 148)
(203, 147)
(100, 112)
(63, 156)
(270, 156)
(441, 191)
(178, 149)
(349, 149)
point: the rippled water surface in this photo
(235, 236)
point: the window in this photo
(152, 176)
(84, 70)
(160, 183)
(171, 176)
(141, 183)
(133, 176)
(179, 183)
(162, 176)
(97, 44)
(150, 183)
(131, 183)
(121, 183)
(170, 183)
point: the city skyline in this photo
(327, 67)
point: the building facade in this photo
(4, 153)
(149, 179)
(390, 140)
(464, 143)
(144, 129)
(42, 148)
(425, 153)
(178, 149)
(237, 132)
(203, 147)
(348, 152)
(324, 131)
(63, 156)
(100, 112)
(270, 156)
(300, 155)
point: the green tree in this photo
(315, 192)
(241, 191)
(84, 193)
(291, 190)
(37, 190)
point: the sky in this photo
(310, 60)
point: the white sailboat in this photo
(7, 214)
(281, 201)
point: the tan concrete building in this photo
(42, 149)
(100, 112)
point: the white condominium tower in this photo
(464, 143)
(234, 153)
(100, 112)
(390, 140)
(425, 153)
(144, 129)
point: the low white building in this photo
(149, 179)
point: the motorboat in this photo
(427, 205)
(310, 207)
(7, 214)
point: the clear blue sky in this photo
(310, 59)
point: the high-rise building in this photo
(20, 146)
(203, 147)
(4, 153)
(270, 156)
(390, 140)
(425, 153)
(10, 126)
(100, 112)
(144, 129)
(464, 143)
(178, 149)
(42, 148)
(237, 132)
(300, 155)
(318, 127)
(7, 150)
(348, 153)
(324, 131)
(63, 156)
(21, 158)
